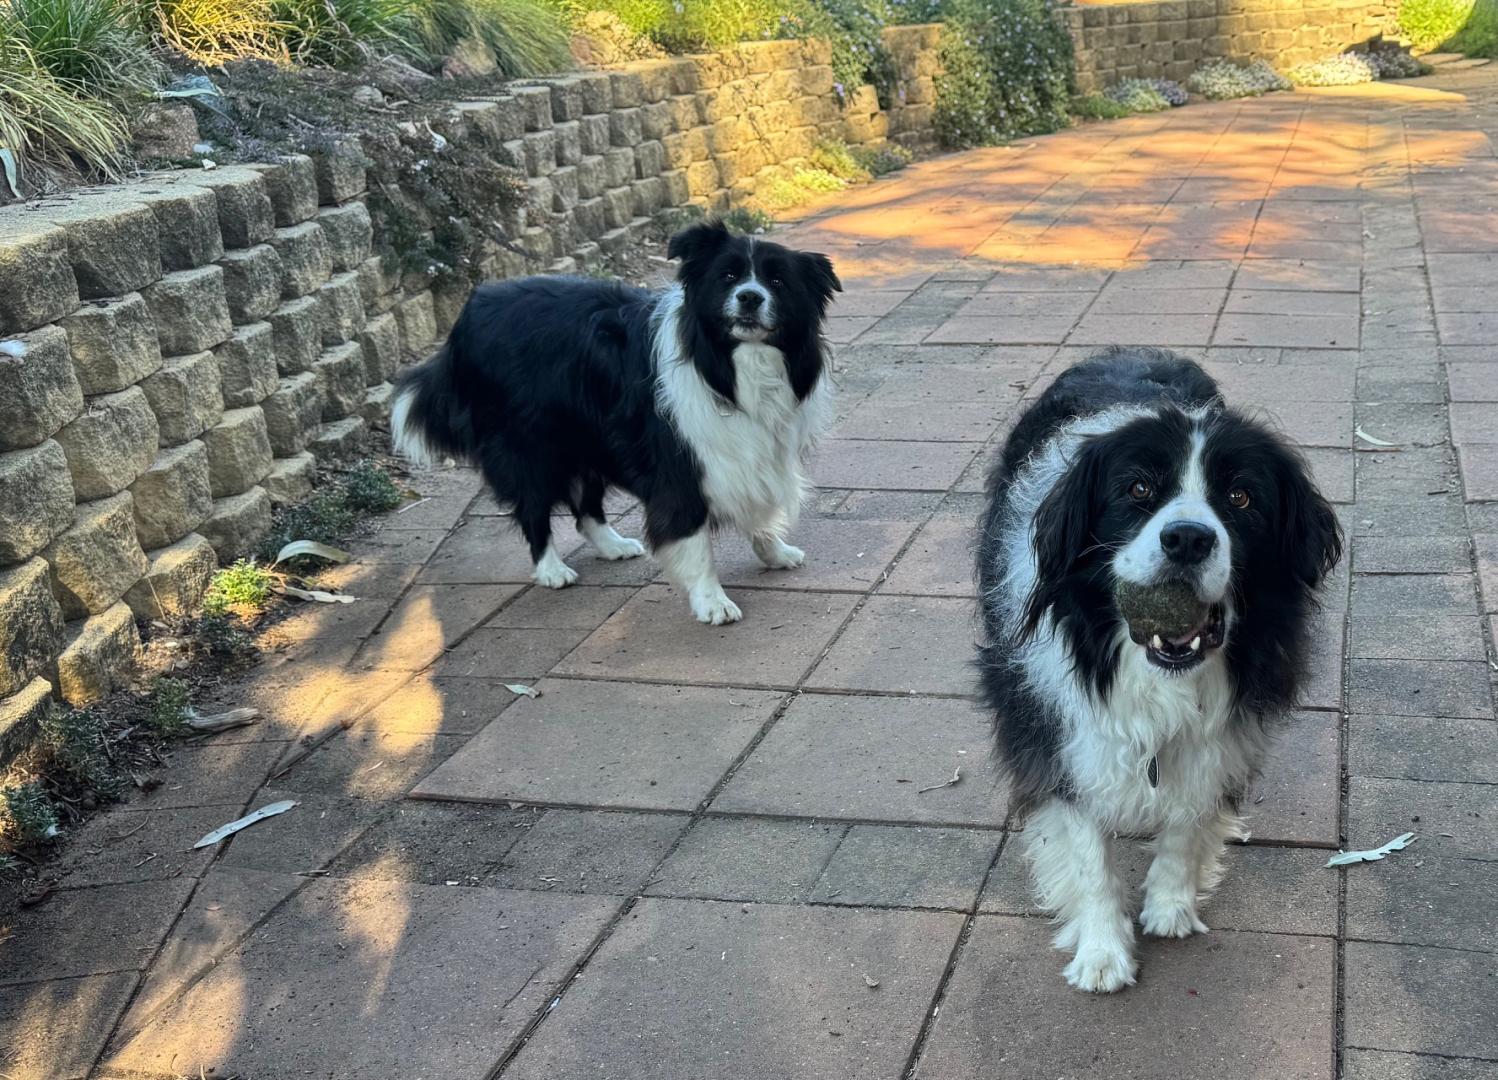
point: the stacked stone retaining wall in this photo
(178, 354)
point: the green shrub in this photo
(49, 128)
(526, 36)
(91, 47)
(1099, 107)
(1138, 96)
(167, 711)
(1348, 69)
(1223, 79)
(241, 587)
(342, 32)
(28, 815)
(1430, 23)
(71, 752)
(1009, 71)
(745, 221)
(213, 32)
(222, 635)
(1478, 35)
(369, 489)
(858, 163)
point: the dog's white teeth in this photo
(1156, 642)
(1196, 643)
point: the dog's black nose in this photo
(1187, 542)
(750, 300)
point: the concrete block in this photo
(36, 500)
(96, 559)
(375, 408)
(619, 166)
(36, 276)
(290, 479)
(535, 106)
(291, 184)
(245, 215)
(625, 127)
(111, 443)
(31, 629)
(340, 172)
(247, 365)
(341, 370)
(540, 150)
(593, 134)
(190, 310)
(113, 343)
(39, 391)
(296, 334)
(113, 244)
(21, 715)
(417, 322)
(592, 177)
(186, 224)
(172, 497)
(378, 286)
(349, 233)
(174, 583)
(339, 441)
(628, 89)
(342, 308)
(239, 453)
(237, 524)
(306, 261)
(381, 343)
(253, 279)
(650, 159)
(597, 91)
(566, 100)
(100, 655)
(293, 413)
(185, 396)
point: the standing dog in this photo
(701, 401)
(1128, 472)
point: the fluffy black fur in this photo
(1282, 544)
(549, 384)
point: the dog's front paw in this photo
(1170, 918)
(714, 608)
(623, 547)
(1101, 967)
(777, 554)
(554, 574)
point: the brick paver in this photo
(696, 853)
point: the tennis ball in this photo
(1169, 610)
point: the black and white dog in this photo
(1129, 469)
(701, 401)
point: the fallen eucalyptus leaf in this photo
(526, 691)
(1360, 433)
(269, 810)
(8, 159)
(317, 594)
(312, 547)
(1347, 858)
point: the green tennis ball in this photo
(1169, 610)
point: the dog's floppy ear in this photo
(1310, 534)
(817, 269)
(697, 242)
(1063, 528)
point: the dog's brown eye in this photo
(1238, 498)
(1140, 490)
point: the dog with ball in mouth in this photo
(1148, 572)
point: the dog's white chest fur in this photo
(751, 453)
(1180, 722)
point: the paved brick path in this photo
(707, 853)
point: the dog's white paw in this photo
(609, 544)
(1101, 967)
(777, 554)
(714, 608)
(554, 574)
(1170, 918)
(622, 548)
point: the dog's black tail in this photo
(429, 421)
